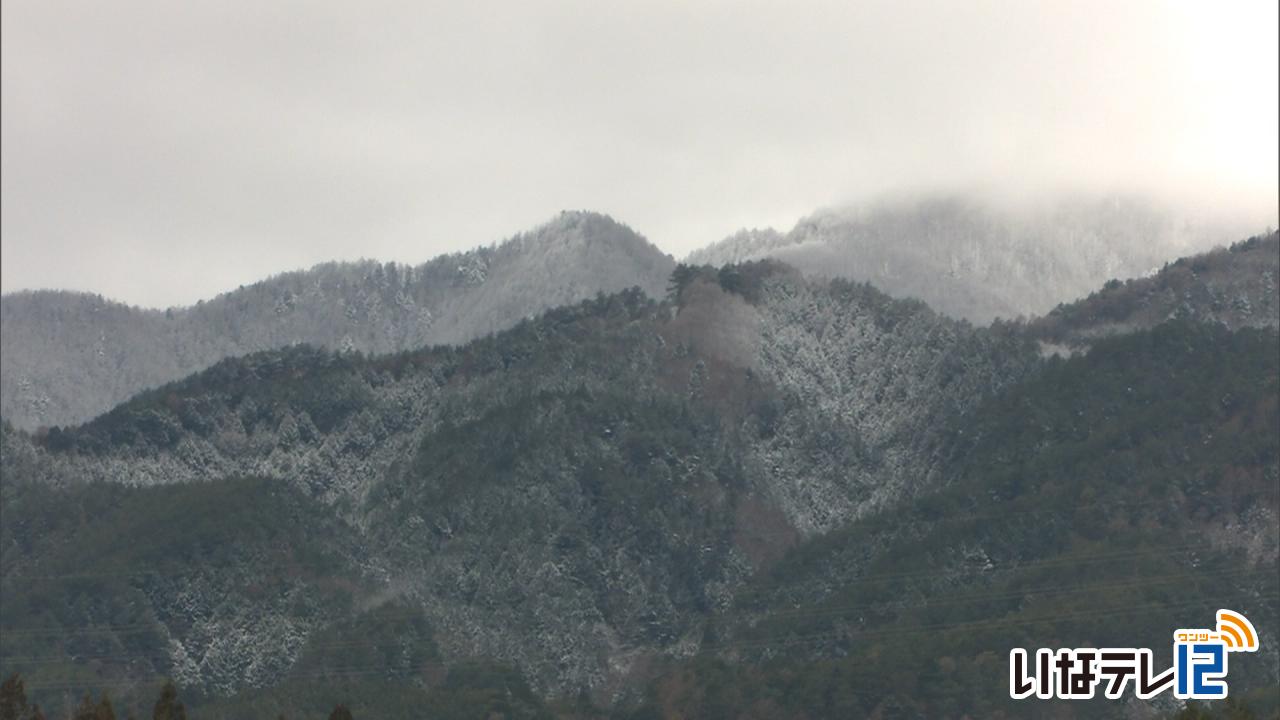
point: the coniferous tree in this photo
(168, 707)
(85, 711)
(90, 710)
(13, 698)
(104, 710)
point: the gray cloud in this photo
(159, 152)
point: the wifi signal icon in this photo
(1237, 632)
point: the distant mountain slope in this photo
(1101, 502)
(570, 497)
(1236, 287)
(979, 260)
(66, 357)
(764, 496)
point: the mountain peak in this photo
(578, 228)
(981, 257)
(368, 306)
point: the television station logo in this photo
(1199, 666)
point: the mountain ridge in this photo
(70, 356)
(978, 258)
(687, 504)
(1235, 287)
(643, 448)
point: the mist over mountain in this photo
(982, 258)
(67, 357)
(570, 496)
(309, 407)
(674, 499)
(1236, 287)
(729, 502)
(70, 356)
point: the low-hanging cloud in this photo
(160, 152)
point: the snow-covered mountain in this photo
(980, 259)
(68, 356)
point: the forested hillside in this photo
(983, 259)
(762, 496)
(1103, 502)
(67, 357)
(1236, 287)
(571, 497)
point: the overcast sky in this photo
(159, 152)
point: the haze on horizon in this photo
(158, 153)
